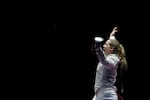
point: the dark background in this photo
(73, 62)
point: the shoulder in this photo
(112, 58)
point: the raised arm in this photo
(100, 54)
(112, 34)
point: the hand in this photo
(113, 31)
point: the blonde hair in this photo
(119, 49)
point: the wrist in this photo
(112, 37)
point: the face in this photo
(107, 47)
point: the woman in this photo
(110, 57)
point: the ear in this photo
(112, 49)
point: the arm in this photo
(110, 62)
(112, 34)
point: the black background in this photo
(72, 64)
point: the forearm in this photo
(99, 53)
(112, 34)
